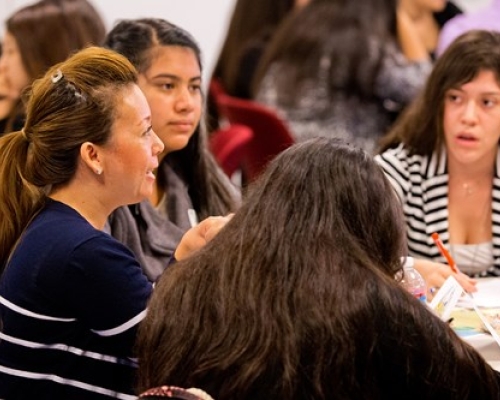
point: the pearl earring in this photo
(98, 171)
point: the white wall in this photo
(206, 20)
(472, 4)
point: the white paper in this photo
(451, 295)
(447, 297)
(488, 293)
(487, 324)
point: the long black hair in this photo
(135, 39)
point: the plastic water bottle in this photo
(413, 281)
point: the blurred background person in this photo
(251, 27)
(6, 101)
(321, 84)
(40, 35)
(429, 17)
(486, 18)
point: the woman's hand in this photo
(195, 238)
(436, 273)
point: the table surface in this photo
(487, 347)
(468, 325)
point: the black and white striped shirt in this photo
(422, 185)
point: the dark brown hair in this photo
(420, 128)
(296, 298)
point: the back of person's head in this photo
(48, 31)
(72, 104)
(421, 126)
(139, 40)
(250, 20)
(260, 312)
(322, 34)
(322, 193)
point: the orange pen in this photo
(444, 252)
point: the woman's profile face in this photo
(172, 86)
(12, 67)
(131, 155)
(6, 102)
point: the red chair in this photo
(270, 134)
(215, 89)
(229, 146)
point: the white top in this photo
(473, 258)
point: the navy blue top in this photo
(70, 301)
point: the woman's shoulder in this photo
(396, 154)
(410, 166)
(403, 152)
(60, 241)
(401, 161)
(59, 223)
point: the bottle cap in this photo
(408, 262)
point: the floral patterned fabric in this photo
(173, 392)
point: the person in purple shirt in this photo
(486, 18)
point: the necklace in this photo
(468, 189)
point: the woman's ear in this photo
(91, 157)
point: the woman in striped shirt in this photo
(443, 160)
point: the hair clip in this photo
(57, 76)
(79, 96)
